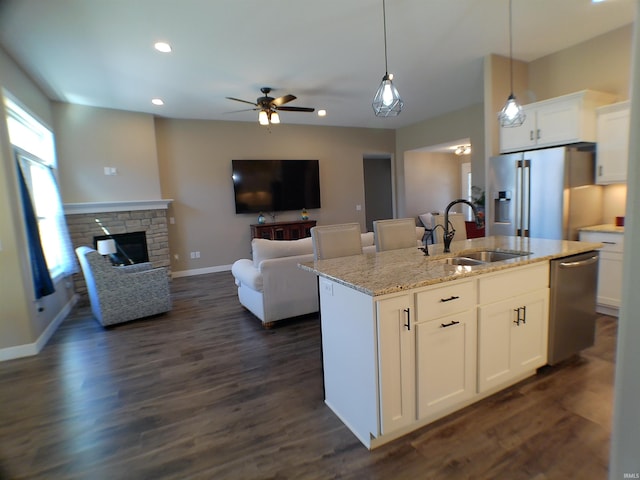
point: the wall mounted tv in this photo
(275, 185)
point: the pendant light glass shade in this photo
(512, 114)
(387, 101)
(274, 117)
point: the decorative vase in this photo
(304, 215)
(261, 218)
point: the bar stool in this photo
(331, 241)
(394, 233)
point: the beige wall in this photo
(465, 123)
(432, 180)
(20, 321)
(195, 170)
(89, 139)
(601, 64)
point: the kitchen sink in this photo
(482, 257)
(488, 256)
(463, 261)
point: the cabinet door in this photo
(529, 339)
(612, 148)
(516, 139)
(512, 338)
(610, 279)
(396, 362)
(445, 362)
(609, 266)
(558, 123)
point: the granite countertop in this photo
(395, 270)
(606, 228)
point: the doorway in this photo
(378, 189)
(434, 176)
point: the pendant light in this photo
(512, 114)
(387, 101)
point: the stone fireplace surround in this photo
(87, 220)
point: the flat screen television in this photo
(275, 185)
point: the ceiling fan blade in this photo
(296, 109)
(282, 100)
(243, 110)
(243, 101)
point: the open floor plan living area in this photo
(270, 239)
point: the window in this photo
(33, 143)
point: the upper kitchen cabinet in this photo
(558, 121)
(612, 149)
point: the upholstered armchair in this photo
(120, 294)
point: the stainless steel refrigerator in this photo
(548, 193)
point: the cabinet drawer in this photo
(450, 298)
(613, 242)
(509, 283)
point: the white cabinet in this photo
(445, 347)
(512, 335)
(557, 121)
(612, 148)
(396, 362)
(609, 268)
(512, 326)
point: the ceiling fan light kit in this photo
(512, 114)
(387, 101)
(268, 107)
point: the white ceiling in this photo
(329, 53)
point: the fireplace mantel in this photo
(120, 206)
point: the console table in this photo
(283, 230)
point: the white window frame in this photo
(34, 145)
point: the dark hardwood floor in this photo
(204, 392)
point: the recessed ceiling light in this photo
(322, 113)
(163, 47)
(157, 101)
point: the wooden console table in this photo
(283, 230)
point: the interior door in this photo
(378, 192)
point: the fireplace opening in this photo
(130, 247)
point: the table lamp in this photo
(106, 247)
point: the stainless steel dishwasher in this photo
(572, 305)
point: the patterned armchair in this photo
(120, 294)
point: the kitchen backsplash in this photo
(614, 201)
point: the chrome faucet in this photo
(448, 234)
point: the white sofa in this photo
(272, 287)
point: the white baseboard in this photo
(201, 271)
(607, 310)
(30, 349)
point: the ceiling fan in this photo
(269, 106)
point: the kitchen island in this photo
(409, 338)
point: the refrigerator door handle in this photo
(518, 219)
(526, 197)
